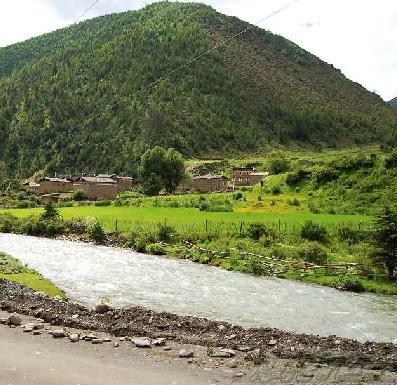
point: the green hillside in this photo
(65, 100)
(393, 103)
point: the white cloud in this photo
(357, 36)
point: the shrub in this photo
(314, 253)
(351, 284)
(314, 231)
(255, 266)
(279, 166)
(257, 230)
(294, 202)
(50, 212)
(295, 177)
(165, 232)
(95, 230)
(76, 225)
(79, 195)
(238, 196)
(276, 190)
(8, 223)
(102, 203)
(155, 249)
(349, 235)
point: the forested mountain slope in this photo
(66, 105)
(393, 103)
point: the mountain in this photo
(393, 103)
(75, 100)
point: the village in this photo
(108, 186)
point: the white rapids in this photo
(89, 274)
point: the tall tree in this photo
(385, 239)
(161, 168)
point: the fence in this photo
(280, 227)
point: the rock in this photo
(58, 298)
(239, 375)
(75, 316)
(106, 339)
(221, 327)
(224, 353)
(58, 333)
(38, 326)
(3, 321)
(97, 341)
(159, 342)
(36, 332)
(103, 308)
(90, 337)
(141, 342)
(123, 339)
(231, 337)
(272, 343)
(74, 338)
(167, 348)
(14, 320)
(244, 349)
(116, 345)
(233, 364)
(186, 353)
(28, 328)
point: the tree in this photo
(161, 168)
(278, 163)
(50, 212)
(385, 240)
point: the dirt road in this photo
(41, 360)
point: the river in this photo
(89, 274)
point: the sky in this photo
(357, 36)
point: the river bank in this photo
(331, 350)
(249, 248)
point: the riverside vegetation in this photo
(12, 270)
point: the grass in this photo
(129, 216)
(12, 270)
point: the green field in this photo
(128, 216)
(12, 270)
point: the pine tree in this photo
(385, 239)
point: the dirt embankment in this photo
(199, 331)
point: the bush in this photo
(238, 196)
(155, 249)
(79, 195)
(349, 235)
(8, 223)
(103, 203)
(76, 225)
(165, 232)
(276, 190)
(295, 177)
(314, 231)
(50, 212)
(279, 166)
(294, 202)
(314, 253)
(351, 284)
(96, 231)
(257, 230)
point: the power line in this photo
(86, 11)
(183, 66)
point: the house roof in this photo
(96, 180)
(260, 173)
(211, 177)
(59, 180)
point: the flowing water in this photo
(89, 273)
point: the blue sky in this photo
(357, 36)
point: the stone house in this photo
(247, 176)
(97, 187)
(54, 185)
(208, 183)
(33, 186)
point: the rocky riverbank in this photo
(255, 344)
